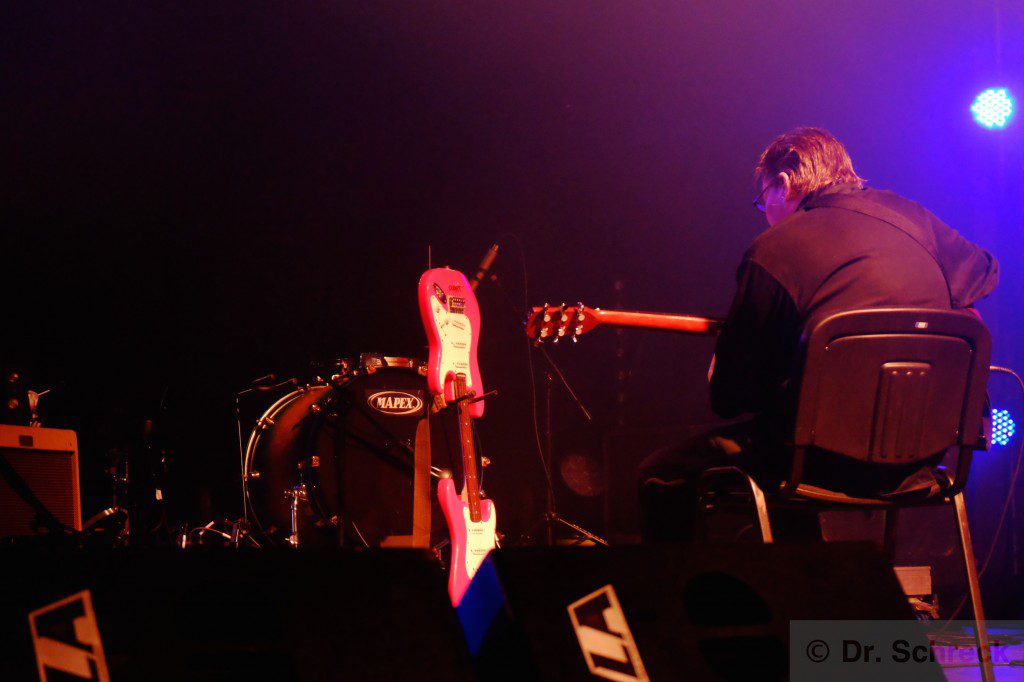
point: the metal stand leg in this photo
(892, 517)
(762, 510)
(755, 491)
(984, 652)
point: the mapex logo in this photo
(605, 639)
(395, 402)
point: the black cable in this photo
(1006, 502)
(533, 376)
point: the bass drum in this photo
(333, 462)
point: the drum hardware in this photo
(370, 362)
(294, 496)
(236, 534)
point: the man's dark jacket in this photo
(844, 248)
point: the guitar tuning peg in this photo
(565, 316)
(580, 308)
(547, 311)
(575, 339)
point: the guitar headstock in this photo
(554, 323)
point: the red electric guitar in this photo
(451, 317)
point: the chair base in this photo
(817, 498)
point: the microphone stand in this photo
(551, 519)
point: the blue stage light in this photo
(993, 108)
(1003, 427)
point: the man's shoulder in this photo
(821, 214)
(879, 203)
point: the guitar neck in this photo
(688, 324)
(472, 489)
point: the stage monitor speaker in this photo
(198, 615)
(712, 612)
(47, 460)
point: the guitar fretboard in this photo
(472, 488)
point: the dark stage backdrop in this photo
(196, 194)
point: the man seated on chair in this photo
(832, 245)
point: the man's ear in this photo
(783, 180)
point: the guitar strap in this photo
(421, 486)
(420, 537)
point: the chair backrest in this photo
(894, 385)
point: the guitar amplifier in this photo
(47, 460)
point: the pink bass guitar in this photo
(451, 317)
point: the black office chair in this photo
(886, 387)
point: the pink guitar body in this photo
(451, 317)
(453, 336)
(471, 541)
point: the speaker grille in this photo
(53, 478)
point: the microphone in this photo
(485, 266)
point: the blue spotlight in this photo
(993, 108)
(1003, 427)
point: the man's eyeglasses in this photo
(759, 201)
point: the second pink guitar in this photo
(451, 317)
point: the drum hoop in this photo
(392, 361)
(257, 431)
